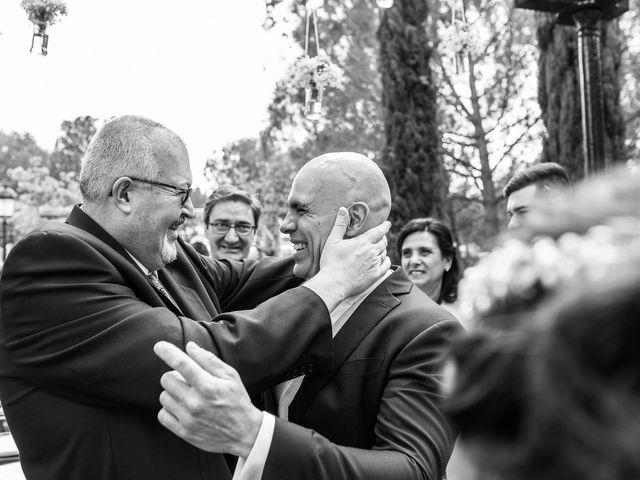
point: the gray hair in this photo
(122, 147)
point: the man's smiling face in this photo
(312, 207)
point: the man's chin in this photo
(169, 252)
(304, 271)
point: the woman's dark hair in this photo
(450, 279)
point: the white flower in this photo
(316, 71)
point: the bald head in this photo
(350, 178)
(320, 188)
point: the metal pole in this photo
(4, 239)
(591, 89)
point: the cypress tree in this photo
(411, 155)
(559, 94)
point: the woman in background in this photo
(430, 258)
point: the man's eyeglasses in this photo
(183, 193)
(221, 228)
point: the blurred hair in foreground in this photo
(548, 384)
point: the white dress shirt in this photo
(251, 468)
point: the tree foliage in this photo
(71, 145)
(630, 94)
(411, 156)
(41, 195)
(489, 115)
(352, 117)
(46, 183)
(16, 150)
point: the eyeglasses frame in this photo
(230, 226)
(184, 192)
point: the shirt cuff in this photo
(251, 468)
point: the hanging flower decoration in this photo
(317, 71)
(457, 39)
(314, 75)
(43, 13)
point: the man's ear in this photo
(120, 193)
(358, 216)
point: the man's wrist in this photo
(328, 288)
(245, 445)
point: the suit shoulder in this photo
(58, 248)
(54, 235)
(419, 312)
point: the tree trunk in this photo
(486, 173)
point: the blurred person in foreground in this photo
(375, 415)
(83, 303)
(548, 385)
(231, 218)
(430, 258)
(531, 186)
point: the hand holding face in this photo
(205, 403)
(355, 263)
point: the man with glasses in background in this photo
(231, 216)
(83, 302)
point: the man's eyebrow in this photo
(297, 204)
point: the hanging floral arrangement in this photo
(312, 73)
(43, 13)
(457, 38)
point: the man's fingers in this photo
(174, 383)
(377, 233)
(210, 362)
(180, 361)
(386, 264)
(381, 246)
(168, 421)
(341, 224)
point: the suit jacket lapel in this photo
(373, 309)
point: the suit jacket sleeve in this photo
(413, 440)
(73, 324)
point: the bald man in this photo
(375, 414)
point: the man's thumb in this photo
(340, 225)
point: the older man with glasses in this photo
(231, 216)
(83, 302)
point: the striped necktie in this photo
(155, 281)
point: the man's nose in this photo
(231, 236)
(188, 210)
(287, 225)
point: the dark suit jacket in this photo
(79, 381)
(375, 416)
